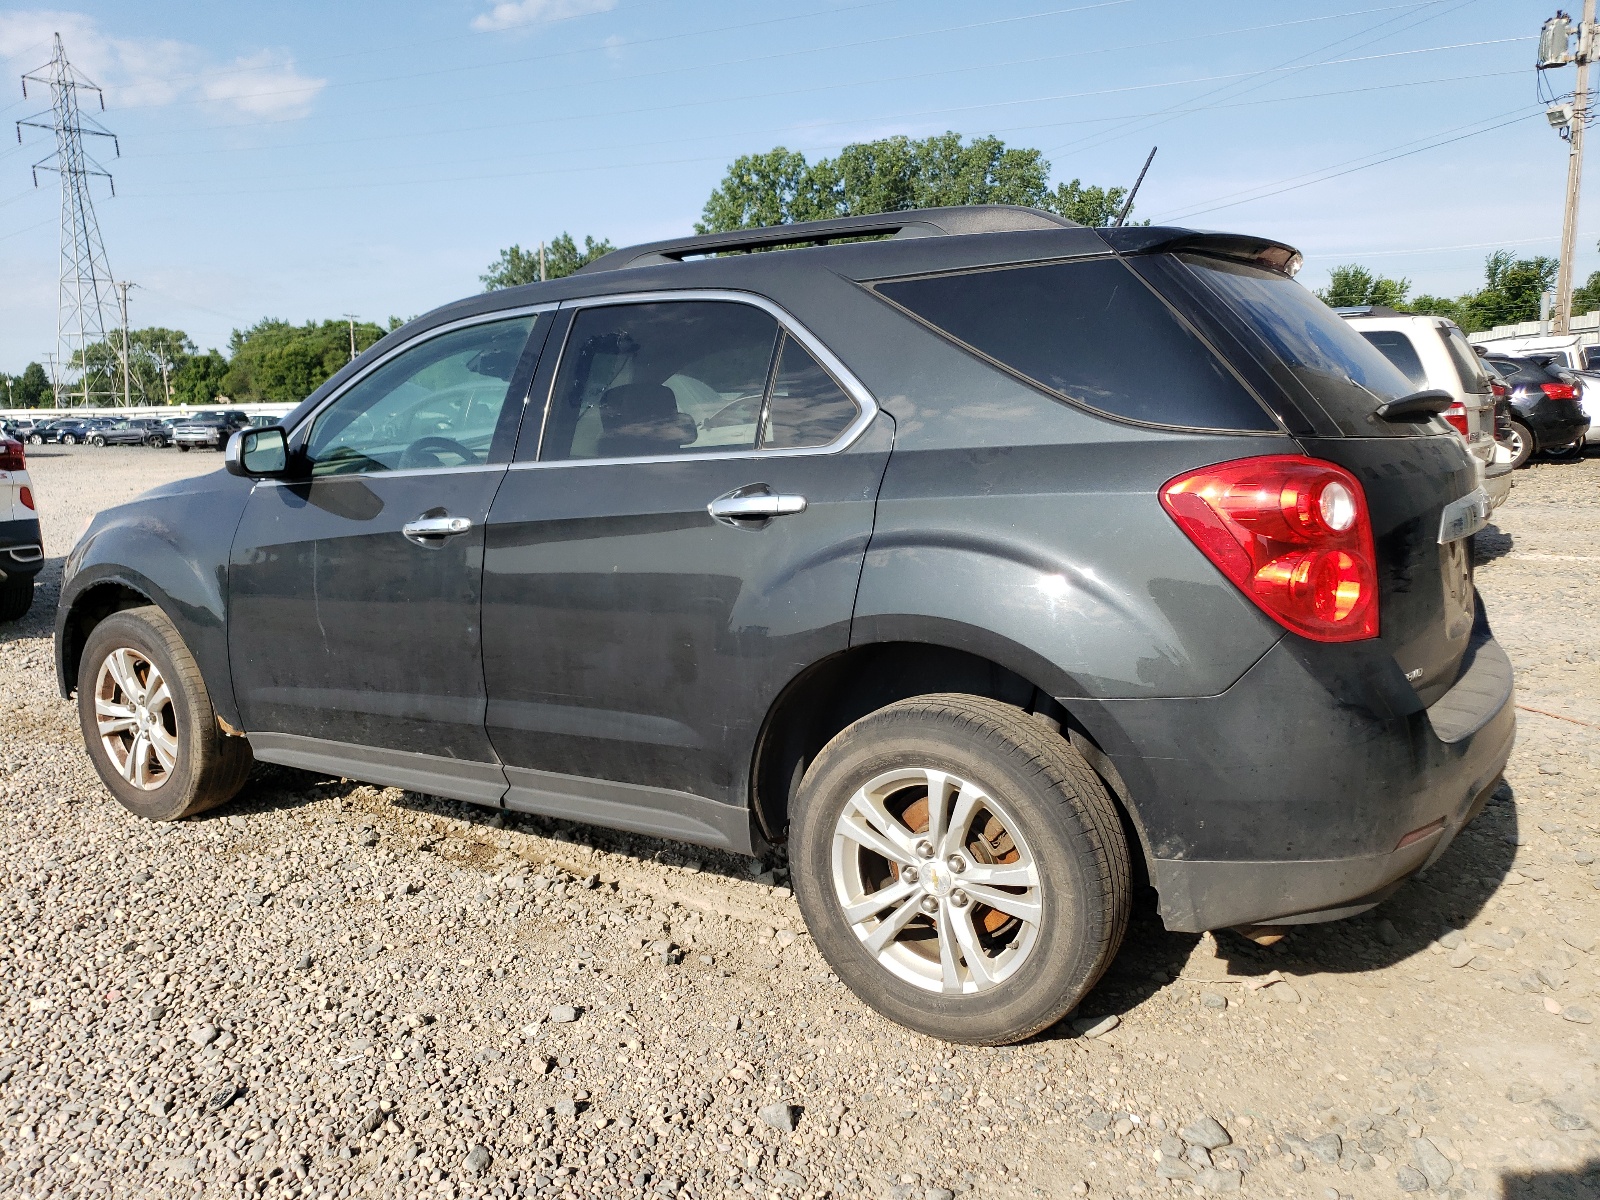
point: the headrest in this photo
(637, 404)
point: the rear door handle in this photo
(757, 507)
(431, 531)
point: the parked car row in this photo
(208, 430)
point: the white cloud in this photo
(145, 72)
(508, 14)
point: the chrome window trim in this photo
(867, 406)
(499, 314)
(408, 473)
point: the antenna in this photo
(1127, 205)
(86, 279)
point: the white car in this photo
(21, 547)
(1432, 352)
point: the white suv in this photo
(1432, 352)
(21, 549)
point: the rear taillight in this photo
(1499, 390)
(1559, 391)
(12, 457)
(1456, 414)
(1293, 533)
(25, 494)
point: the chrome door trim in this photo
(865, 403)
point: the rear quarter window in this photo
(1398, 349)
(1469, 368)
(1090, 332)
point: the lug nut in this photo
(925, 849)
(958, 899)
(930, 905)
(956, 863)
(909, 874)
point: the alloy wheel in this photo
(135, 719)
(936, 881)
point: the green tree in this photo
(32, 388)
(895, 174)
(197, 380)
(1511, 290)
(276, 361)
(562, 257)
(1353, 284)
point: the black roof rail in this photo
(922, 222)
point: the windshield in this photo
(1346, 375)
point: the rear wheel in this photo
(98, 441)
(148, 723)
(16, 598)
(1520, 442)
(68, 439)
(1575, 450)
(36, 439)
(960, 867)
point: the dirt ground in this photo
(332, 990)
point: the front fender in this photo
(170, 547)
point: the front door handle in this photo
(431, 531)
(756, 507)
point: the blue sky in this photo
(303, 160)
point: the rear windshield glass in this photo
(1469, 368)
(1090, 332)
(1342, 372)
(1397, 348)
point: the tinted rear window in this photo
(1469, 368)
(1090, 332)
(1340, 370)
(1397, 348)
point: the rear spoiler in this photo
(1235, 247)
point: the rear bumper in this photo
(1287, 798)
(21, 549)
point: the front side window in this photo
(1398, 349)
(435, 405)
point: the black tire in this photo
(1571, 450)
(1521, 444)
(35, 440)
(97, 441)
(1064, 821)
(68, 439)
(209, 767)
(182, 449)
(16, 598)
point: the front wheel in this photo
(1575, 450)
(97, 441)
(148, 723)
(961, 868)
(68, 439)
(35, 439)
(183, 449)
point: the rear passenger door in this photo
(680, 540)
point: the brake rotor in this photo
(989, 844)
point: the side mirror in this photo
(258, 453)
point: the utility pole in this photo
(122, 300)
(351, 317)
(55, 383)
(541, 262)
(1569, 120)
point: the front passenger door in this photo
(354, 625)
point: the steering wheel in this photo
(412, 456)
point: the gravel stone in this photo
(1411, 1180)
(782, 1116)
(563, 1014)
(1206, 1132)
(477, 1161)
(1430, 1160)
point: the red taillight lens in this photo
(26, 496)
(11, 456)
(1559, 391)
(1292, 533)
(1456, 414)
(1499, 390)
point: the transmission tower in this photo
(86, 280)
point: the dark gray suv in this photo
(986, 559)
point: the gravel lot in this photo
(332, 990)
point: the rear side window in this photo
(1397, 348)
(1340, 370)
(806, 407)
(1469, 369)
(1090, 332)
